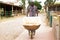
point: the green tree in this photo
(49, 2)
(23, 1)
(38, 5)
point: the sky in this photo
(58, 1)
(16, 1)
(42, 1)
(8, 0)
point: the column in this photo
(56, 8)
(5, 10)
(12, 9)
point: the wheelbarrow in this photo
(31, 28)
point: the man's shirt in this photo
(32, 10)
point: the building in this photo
(9, 8)
(55, 7)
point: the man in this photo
(32, 10)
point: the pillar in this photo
(12, 9)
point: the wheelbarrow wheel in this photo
(33, 32)
(31, 35)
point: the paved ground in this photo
(13, 30)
